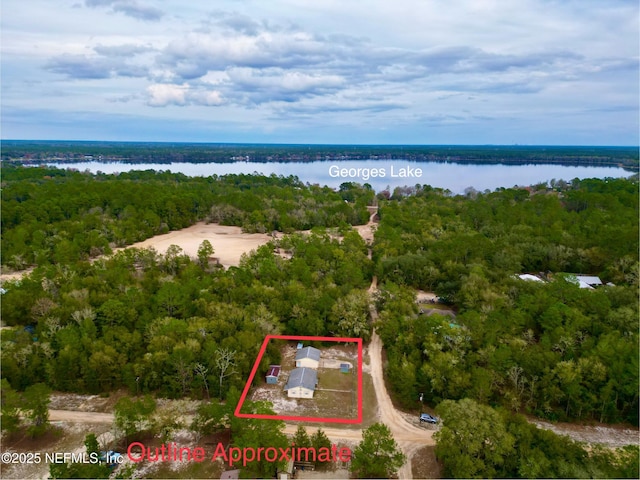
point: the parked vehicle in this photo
(425, 417)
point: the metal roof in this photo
(302, 377)
(274, 371)
(308, 352)
(589, 279)
(528, 276)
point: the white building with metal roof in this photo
(308, 357)
(302, 383)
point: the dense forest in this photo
(23, 151)
(179, 327)
(95, 327)
(547, 348)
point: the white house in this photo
(584, 281)
(308, 357)
(588, 281)
(302, 383)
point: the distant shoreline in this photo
(42, 151)
(462, 161)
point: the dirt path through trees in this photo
(409, 437)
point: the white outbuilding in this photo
(308, 357)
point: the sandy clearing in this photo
(409, 434)
(366, 232)
(229, 243)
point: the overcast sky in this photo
(330, 71)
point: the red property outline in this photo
(267, 339)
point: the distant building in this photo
(308, 357)
(588, 281)
(302, 383)
(529, 277)
(273, 374)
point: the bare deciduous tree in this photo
(202, 371)
(183, 369)
(225, 363)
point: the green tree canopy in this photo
(378, 455)
(132, 416)
(473, 440)
(9, 406)
(36, 402)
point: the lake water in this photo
(380, 174)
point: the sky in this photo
(529, 72)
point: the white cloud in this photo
(161, 95)
(211, 98)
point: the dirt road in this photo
(80, 417)
(402, 430)
(367, 231)
(409, 437)
(612, 436)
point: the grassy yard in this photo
(332, 379)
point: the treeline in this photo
(59, 216)
(145, 152)
(173, 326)
(477, 441)
(550, 349)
